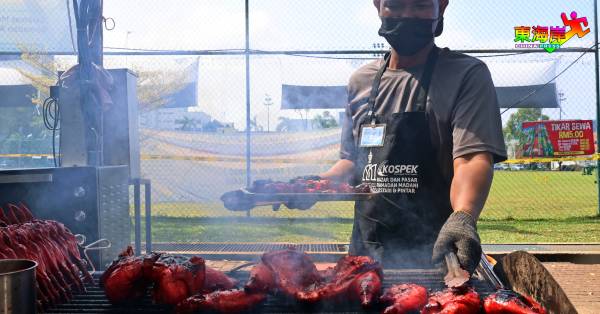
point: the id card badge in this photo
(372, 135)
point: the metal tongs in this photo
(487, 269)
(456, 276)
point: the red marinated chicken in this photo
(174, 278)
(124, 279)
(217, 280)
(510, 302)
(177, 278)
(367, 288)
(453, 301)
(225, 301)
(347, 282)
(291, 270)
(262, 279)
(404, 299)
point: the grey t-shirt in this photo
(462, 106)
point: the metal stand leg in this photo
(148, 208)
(137, 216)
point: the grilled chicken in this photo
(176, 278)
(353, 277)
(262, 279)
(295, 275)
(292, 271)
(453, 301)
(123, 280)
(224, 301)
(173, 277)
(217, 280)
(404, 298)
(510, 302)
(367, 288)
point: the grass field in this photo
(523, 207)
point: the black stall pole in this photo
(597, 97)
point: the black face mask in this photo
(409, 35)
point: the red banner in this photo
(558, 138)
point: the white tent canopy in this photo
(525, 84)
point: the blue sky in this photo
(328, 25)
(305, 25)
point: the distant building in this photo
(174, 119)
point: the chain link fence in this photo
(191, 61)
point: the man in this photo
(422, 129)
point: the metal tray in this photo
(271, 198)
(244, 200)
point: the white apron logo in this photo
(383, 170)
(372, 171)
(396, 179)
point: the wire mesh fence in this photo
(195, 109)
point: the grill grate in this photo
(95, 302)
(203, 247)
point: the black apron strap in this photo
(375, 87)
(427, 76)
(425, 81)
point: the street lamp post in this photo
(268, 103)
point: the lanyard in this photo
(424, 81)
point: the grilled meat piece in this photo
(404, 298)
(292, 272)
(453, 301)
(262, 279)
(347, 282)
(51, 245)
(367, 288)
(176, 278)
(217, 280)
(224, 301)
(128, 277)
(3, 219)
(510, 302)
(124, 280)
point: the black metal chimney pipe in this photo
(88, 17)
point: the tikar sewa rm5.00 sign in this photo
(558, 138)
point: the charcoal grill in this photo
(95, 302)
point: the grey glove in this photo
(459, 234)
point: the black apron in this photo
(400, 224)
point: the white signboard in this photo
(33, 25)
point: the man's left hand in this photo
(459, 234)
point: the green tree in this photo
(325, 121)
(187, 124)
(514, 126)
(513, 130)
(284, 125)
(153, 86)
